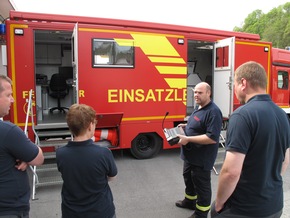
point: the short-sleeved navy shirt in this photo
(260, 130)
(14, 183)
(85, 168)
(207, 120)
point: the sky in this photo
(221, 14)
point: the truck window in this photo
(283, 80)
(110, 53)
(222, 57)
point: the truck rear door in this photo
(228, 55)
(224, 51)
(75, 63)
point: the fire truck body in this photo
(131, 73)
(280, 74)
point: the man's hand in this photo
(183, 140)
(183, 125)
(21, 165)
(218, 207)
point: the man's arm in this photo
(285, 162)
(38, 160)
(229, 177)
(111, 178)
(113, 171)
(199, 139)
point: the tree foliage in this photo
(272, 27)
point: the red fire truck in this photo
(132, 73)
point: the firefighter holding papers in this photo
(199, 150)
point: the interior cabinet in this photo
(48, 54)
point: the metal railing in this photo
(33, 168)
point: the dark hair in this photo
(79, 117)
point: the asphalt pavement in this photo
(143, 188)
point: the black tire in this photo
(225, 124)
(146, 145)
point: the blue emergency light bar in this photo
(2, 29)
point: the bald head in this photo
(204, 85)
(202, 93)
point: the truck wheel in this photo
(146, 145)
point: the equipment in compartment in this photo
(41, 79)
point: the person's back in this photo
(84, 166)
(257, 151)
(260, 180)
(86, 169)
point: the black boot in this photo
(199, 214)
(186, 203)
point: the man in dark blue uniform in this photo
(17, 152)
(86, 169)
(257, 151)
(199, 150)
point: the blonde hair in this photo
(254, 73)
(4, 78)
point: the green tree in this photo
(273, 26)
